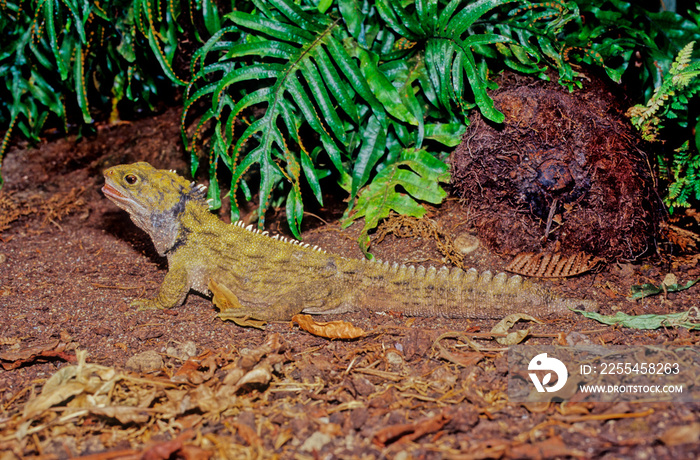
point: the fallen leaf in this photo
(176, 448)
(38, 353)
(249, 358)
(248, 434)
(125, 414)
(330, 330)
(407, 432)
(682, 319)
(71, 381)
(512, 338)
(670, 279)
(316, 442)
(646, 290)
(261, 374)
(459, 358)
(197, 370)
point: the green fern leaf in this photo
(682, 59)
(296, 76)
(382, 88)
(399, 188)
(448, 47)
(369, 154)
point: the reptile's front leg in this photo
(171, 293)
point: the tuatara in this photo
(272, 278)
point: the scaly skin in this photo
(272, 279)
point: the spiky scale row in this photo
(484, 285)
(281, 238)
(501, 282)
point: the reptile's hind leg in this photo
(231, 309)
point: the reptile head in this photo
(154, 198)
(140, 187)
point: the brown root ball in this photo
(565, 172)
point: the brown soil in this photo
(183, 384)
(564, 172)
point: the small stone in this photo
(394, 358)
(670, 279)
(466, 243)
(576, 338)
(148, 361)
(148, 333)
(315, 442)
(362, 385)
(183, 351)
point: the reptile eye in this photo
(130, 179)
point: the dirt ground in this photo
(84, 374)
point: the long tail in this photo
(417, 291)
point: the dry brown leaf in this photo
(330, 330)
(548, 265)
(685, 239)
(250, 357)
(71, 381)
(459, 358)
(283, 437)
(204, 397)
(248, 434)
(409, 431)
(197, 370)
(261, 374)
(125, 414)
(176, 448)
(512, 338)
(54, 349)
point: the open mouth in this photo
(112, 192)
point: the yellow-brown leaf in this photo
(330, 329)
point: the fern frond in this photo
(448, 47)
(679, 85)
(669, 104)
(418, 173)
(683, 59)
(296, 77)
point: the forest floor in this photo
(84, 374)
